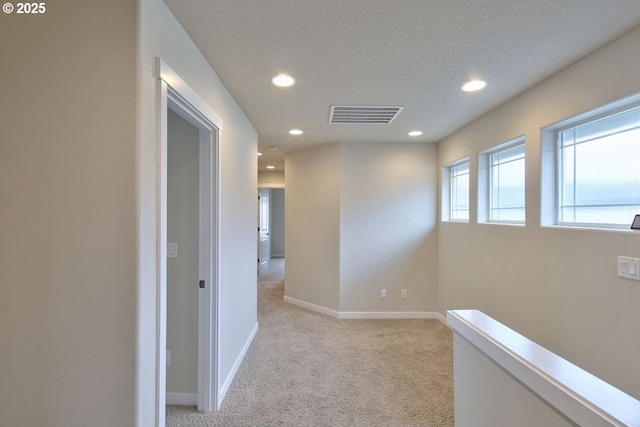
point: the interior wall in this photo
(67, 185)
(160, 35)
(271, 179)
(183, 213)
(361, 217)
(557, 286)
(312, 215)
(277, 222)
(388, 237)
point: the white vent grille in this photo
(372, 114)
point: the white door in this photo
(264, 241)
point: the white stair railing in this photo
(501, 378)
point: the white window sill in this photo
(511, 224)
(584, 228)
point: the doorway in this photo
(264, 229)
(271, 221)
(183, 273)
(175, 96)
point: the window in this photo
(459, 191)
(598, 171)
(505, 190)
(501, 183)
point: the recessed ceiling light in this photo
(259, 154)
(415, 133)
(271, 167)
(296, 132)
(474, 85)
(283, 80)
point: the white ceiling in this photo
(411, 53)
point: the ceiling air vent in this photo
(372, 114)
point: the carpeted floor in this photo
(308, 369)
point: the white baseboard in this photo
(367, 314)
(312, 307)
(441, 318)
(390, 315)
(234, 370)
(182, 398)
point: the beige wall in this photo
(68, 216)
(557, 286)
(388, 236)
(361, 217)
(312, 217)
(78, 150)
(272, 179)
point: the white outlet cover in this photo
(629, 268)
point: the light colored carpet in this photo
(309, 369)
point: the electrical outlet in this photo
(383, 293)
(403, 293)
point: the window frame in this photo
(558, 165)
(485, 181)
(448, 188)
(549, 173)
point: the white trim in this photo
(367, 314)
(389, 315)
(312, 307)
(590, 229)
(441, 318)
(182, 399)
(574, 392)
(446, 187)
(485, 176)
(161, 262)
(234, 370)
(174, 93)
(550, 164)
(165, 72)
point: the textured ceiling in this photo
(411, 53)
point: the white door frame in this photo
(263, 235)
(175, 94)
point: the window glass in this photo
(599, 171)
(507, 184)
(459, 191)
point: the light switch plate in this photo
(172, 250)
(629, 268)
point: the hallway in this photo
(306, 368)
